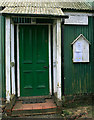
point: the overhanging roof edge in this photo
(34, 15)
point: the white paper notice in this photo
(77, 57)
(78, 47)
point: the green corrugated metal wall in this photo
(2, 71)
(78, 77)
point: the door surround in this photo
(56, 59)
(18, 64)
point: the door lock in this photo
(45, 67)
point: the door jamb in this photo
(49, 43)
(18, 67)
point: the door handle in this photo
(45, 67)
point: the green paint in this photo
(34, 77)
(2, 63)
(78, 76)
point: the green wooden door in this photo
(34, 70)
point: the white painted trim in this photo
(12, 60)
(7, 55)
(59, 59)
(18, 68)
(50, 80)
(54, 59)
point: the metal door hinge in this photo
(12, 64)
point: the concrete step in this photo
(49, 107)
(20, 113)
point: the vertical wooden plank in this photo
(54, 58)
(12, 59)
(18, 68)
(8, 82)
(50, 81)
(59, 59)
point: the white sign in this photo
(80, 49)
(77, 20)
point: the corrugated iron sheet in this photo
(66, 4)
(78, 77)
(33, 10)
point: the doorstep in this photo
(49, 107)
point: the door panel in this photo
(34, 75)
(41, 46)
(27, 46)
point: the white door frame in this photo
(50, 75)
(13, 60)
(10, 59)
(18, 64)
(59, 94)
(57, 58)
